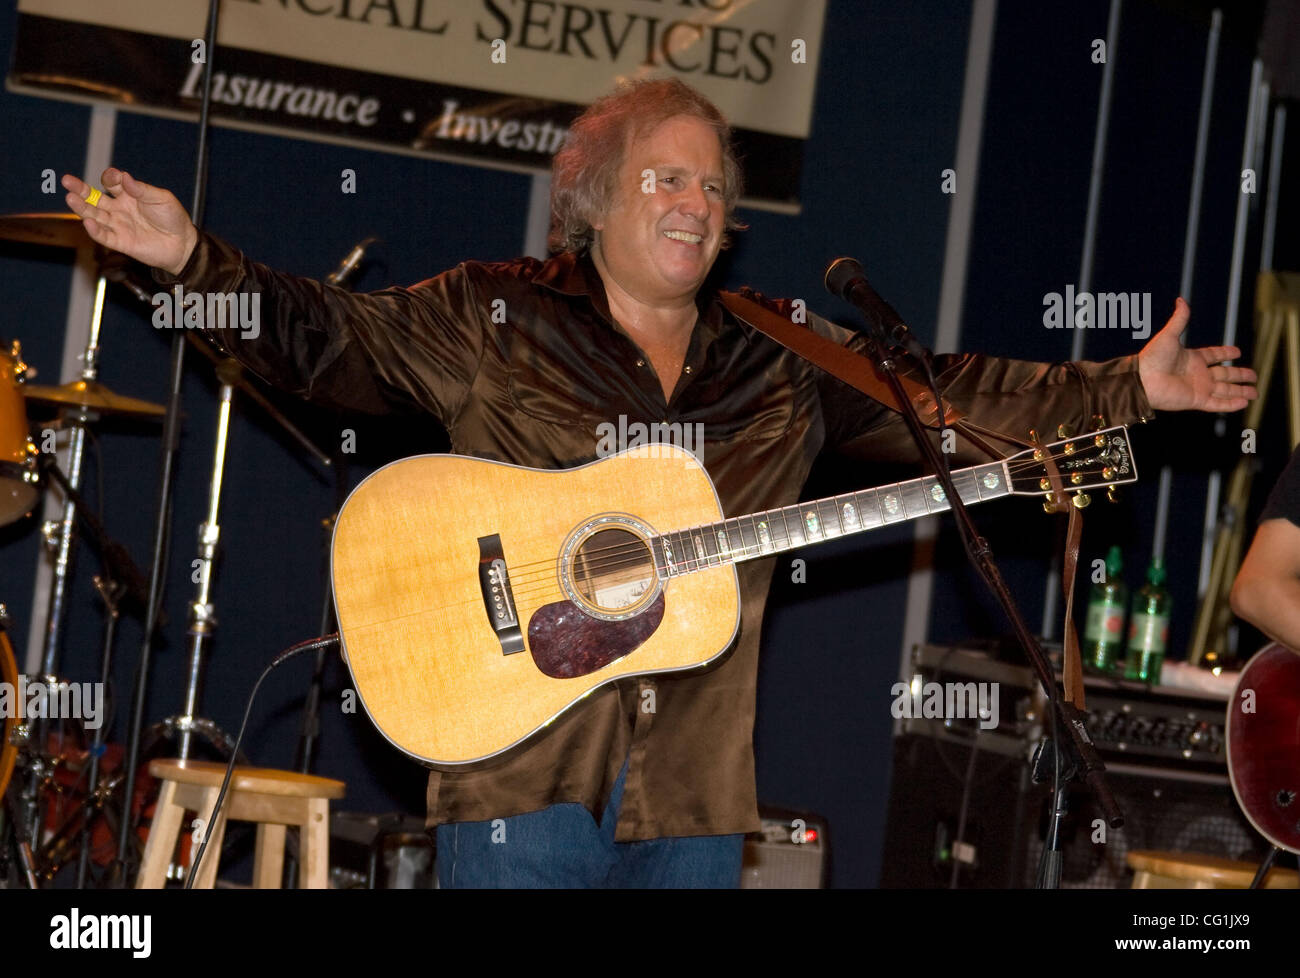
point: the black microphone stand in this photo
(124, 866)
(1071, 749)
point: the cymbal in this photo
(93, 395)
(55, 230)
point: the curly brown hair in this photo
(584, 173)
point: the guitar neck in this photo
(774, 531)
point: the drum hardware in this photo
(63, 558)
(202, 615)
(18, 489)
(92, 396)
(50, 230)
(120, 581)
(83, 401)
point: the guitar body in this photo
(435, 556)
(1263, 735)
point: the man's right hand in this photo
(145, 222)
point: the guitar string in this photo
(546, 582)
(607, 559)
(639, 547)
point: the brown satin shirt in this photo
(522, 362)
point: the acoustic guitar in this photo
(478, 601)
(1263, 737)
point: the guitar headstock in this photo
(1092, 460)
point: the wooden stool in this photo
(274, 799)
(1195, 871)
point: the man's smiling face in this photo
(660, 246)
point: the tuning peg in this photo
(1064, 430)
(1112, 494)
(1081, 500)
(1098, 422)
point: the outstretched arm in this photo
(398, 349)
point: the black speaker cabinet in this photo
(1165, 808)
(922, 847)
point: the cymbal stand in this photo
(61, 539)
(120, 578)
(202, 617)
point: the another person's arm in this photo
(1266, 592)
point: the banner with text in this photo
(492, 82)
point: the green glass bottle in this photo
(1148, 631)
(1103, 630)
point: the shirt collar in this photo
(575, 274)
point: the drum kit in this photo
(60, 782)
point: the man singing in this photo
(619, 322)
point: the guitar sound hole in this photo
(613, 570)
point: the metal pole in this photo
(1250, 151)
(63, 562)
(202, 620)
(1189, 246)
(170, 446)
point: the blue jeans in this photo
(562, 846)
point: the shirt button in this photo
(640, 363)
(687, 368)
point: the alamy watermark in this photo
(946, 701)
(1098, 310)
(53, 700)
(179, 309)
(621, 437)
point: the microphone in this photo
(349, 264)
(846, 279)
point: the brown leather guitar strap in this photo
(1071, 659)
(859, 373)
(856, 371)
(1072, 662)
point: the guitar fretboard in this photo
(789, 527)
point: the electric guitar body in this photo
(1263, 735)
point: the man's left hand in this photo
(1180, 379)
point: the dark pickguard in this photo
(566, 642)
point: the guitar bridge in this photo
(498, 599)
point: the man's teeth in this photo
(685, 236)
